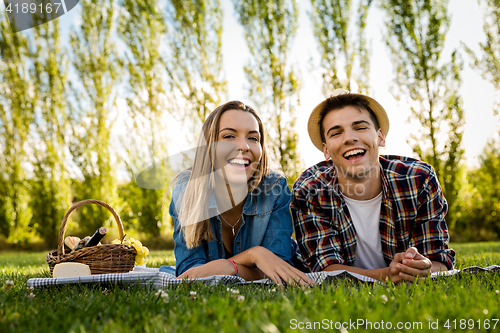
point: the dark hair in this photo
(341, 101)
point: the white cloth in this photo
(365, 215)
(156, 279)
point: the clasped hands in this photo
(409, 266)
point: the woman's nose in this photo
(243, 144)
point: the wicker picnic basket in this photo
(102, 259)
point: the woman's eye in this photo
(253, 138)
(228, 136)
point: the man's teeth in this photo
(353, 152)
(237, 161)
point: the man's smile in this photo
(354, 154)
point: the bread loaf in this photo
(71, 242)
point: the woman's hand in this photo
(215, 267)
(266, 261)
(272, 266)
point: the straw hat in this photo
(313, 125)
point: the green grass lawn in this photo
(467, 303)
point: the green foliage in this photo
(17, 110)
(340, 45)
(95, 63)
(144, 209)
(489, 62)
(416, 33)
(196, 67)
(51, 185)
(132, 212)
(34, 116)
(142, 28)
(481, 212)
(264, 309)
(270, 27)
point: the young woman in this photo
(231, 212)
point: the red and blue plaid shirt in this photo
(411, 214)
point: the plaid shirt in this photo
(412, 214)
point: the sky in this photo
(466, 27)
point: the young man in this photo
(379, 216)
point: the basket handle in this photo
(60, 246)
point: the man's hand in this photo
(406, 266)
(395, 268)
(409, 266)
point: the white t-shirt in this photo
(365, 215)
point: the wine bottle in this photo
(96, 237)
(82, 243)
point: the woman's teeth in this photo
(239, 162)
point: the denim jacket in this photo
(266, 222)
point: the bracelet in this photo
(235, 267)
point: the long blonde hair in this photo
(193, 216)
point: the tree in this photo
(416, 33)
(142, 27)
(95, 63)
(195, 62)
(489, 62)
(341, 48)
(270, 27)
(51, 186)
(482, 210)
(17, 109)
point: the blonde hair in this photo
(194, 220)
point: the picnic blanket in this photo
(153, 277)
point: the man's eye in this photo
(361, 128)
(334, 134)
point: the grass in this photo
(466, 302)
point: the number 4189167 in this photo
(32, 8)
(471, 324)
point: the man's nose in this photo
(350, 136)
